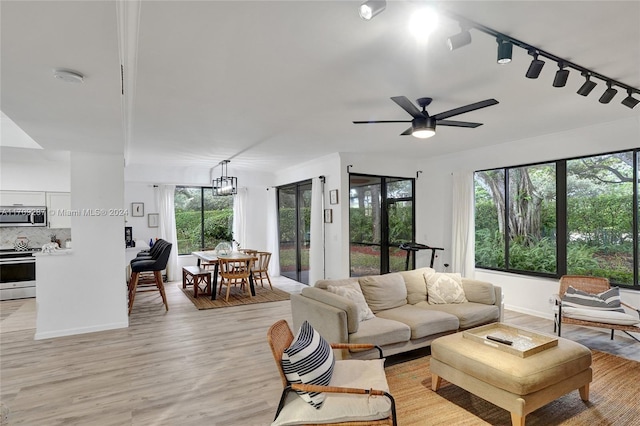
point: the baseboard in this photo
(545, 315)
(82, 330)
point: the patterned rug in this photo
(236, 297)
(612, 398)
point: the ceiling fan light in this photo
(461, 39)
(608, 94)
(630, 101)
(587, 86)
(505, 50)
(423, 128)
(371, 8)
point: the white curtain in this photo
(316, 249)
(164, 201)
(463, 237)
(273, 243)
(240, 217)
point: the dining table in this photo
(212, 256)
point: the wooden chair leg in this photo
(228, 290)
(133, 285)
(160, 285)
(269, 280)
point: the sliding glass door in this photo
(381, 217)
(294, 228)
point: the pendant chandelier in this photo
(225, 184)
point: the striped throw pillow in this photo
(309, 360)
(606, 301)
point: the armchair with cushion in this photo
(353, 392)
(592, 302)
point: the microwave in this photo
(23, 216)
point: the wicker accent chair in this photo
(593, 285)
(280, 338)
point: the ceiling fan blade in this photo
(382, 121)
(466, 108)
(407, 132)
(408, 106)
(453, 123)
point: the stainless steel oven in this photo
(23, 216)
(17, 274)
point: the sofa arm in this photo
(336, 301)
(329, 321)
(483, 292)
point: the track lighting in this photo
(423, 128)
(536, 65)
(561, 77)
(505, 49)
(461, 39)
(630, 101)
(608, 94)
(369, 9)
(588, 85)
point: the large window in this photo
(202, 220)
(576, 216)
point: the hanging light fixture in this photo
(225, 184)
(505, 50)
(458, 40)
(630, 101)
(608, 94)
(536, 65)
(369, 9)
(423, 128)
(561, 77)
(587, 86)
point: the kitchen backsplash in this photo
(37, 236)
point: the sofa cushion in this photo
(444, 288)
(384, 291)
(352, 292)
(421, 321)
(607, 317)
(381, 331)
(309, 360)
(470, 314)
(416, 284)
(479, 291)
(323, 284)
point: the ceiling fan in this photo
(423, 125)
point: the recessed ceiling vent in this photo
(68, 76)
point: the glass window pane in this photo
(218, 219)
(187, 202)
(532, 218)
(365, 225)
(600, 217)
(489, 219)
(287, 231)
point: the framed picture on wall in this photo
(328, 215)
(137, 209)
(153, 220)
(333, 196)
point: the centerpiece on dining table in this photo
(223, 249)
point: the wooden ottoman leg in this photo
(517, 420)
(436, 381)
(584, 392)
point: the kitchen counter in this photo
(57, 252)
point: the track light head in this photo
(461, 39)
(536, 65)
(561, 77)
(587, 86)
(423, 128)
(369, 9)
(505, 49)
(608, 94)
(630, 101)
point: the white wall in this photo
(135, 192)
(434, 198)
(34, 170)
(85, 291)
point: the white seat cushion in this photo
(608, 317)
(340, 407)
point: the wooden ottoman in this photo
(520, 385)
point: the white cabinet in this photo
(22, 198)
(59, 203)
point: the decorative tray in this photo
(524, 342)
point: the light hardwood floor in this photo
(183, 367)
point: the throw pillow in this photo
(309, 360)
(444, 288)
(606, 301)
(353, 292)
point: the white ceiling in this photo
(269, 84)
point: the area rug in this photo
(236, 297)
(612, 398)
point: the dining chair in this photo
(261, 268)
(234, 272)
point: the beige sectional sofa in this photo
(403, 316)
